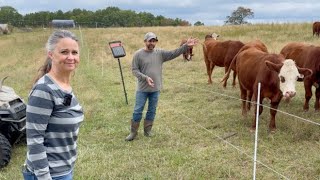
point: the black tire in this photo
(5, 151)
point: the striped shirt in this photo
(52, 130)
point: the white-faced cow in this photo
(276, 74)
(219, 53)
(306, 56)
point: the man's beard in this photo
(150, 47)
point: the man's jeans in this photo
(141, 99)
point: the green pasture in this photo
(199, 131)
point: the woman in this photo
(53, 113)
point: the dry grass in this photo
(192, 116)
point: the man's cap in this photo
(149, 36)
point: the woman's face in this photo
(65, 56)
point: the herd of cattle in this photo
(277, 73)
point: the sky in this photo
(209, 12)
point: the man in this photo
(147, 67)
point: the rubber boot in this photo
(134, 131)
(147, 128)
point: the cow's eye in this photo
(300, 78)
(282, 79)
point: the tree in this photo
(237, 17)
(9, 15)
(198, 23)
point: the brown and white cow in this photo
(276, 74)
(212, 36)
(316, 28)
(306, 56)
(220, 53)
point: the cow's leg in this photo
(308, 94)
(234, 78)
(211, 70)
(249, 98)
(275, 101)
(316, 104)
(185, 56)
(225, 72)
(208, 71)
(273, 112)
(243, 93)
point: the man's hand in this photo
(150, 81)
(192, 42)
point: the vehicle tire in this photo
(5, 151)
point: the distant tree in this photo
(9, 15)
(237, 17)
(198, 23)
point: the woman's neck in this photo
(62, 79)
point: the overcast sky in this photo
(210, 12)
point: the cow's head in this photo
(212, 36)
(288, 74)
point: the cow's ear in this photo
(305, 71)
(273, 67)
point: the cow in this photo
(316, 28)
(220, 53)
(306, 56)
(276, 74)
(212, 36)
(4, 29)
(188, 54)
(255, 44)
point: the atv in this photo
(12, 122)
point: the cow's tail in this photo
(232, 64)
(1, 83)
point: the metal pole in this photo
(256, 135)
(124, 88)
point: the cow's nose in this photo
(290, 94)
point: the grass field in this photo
(192, 117)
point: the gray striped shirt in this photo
(149, 64)
(52, 130)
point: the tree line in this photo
(108, 17)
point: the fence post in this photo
(256, 134)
